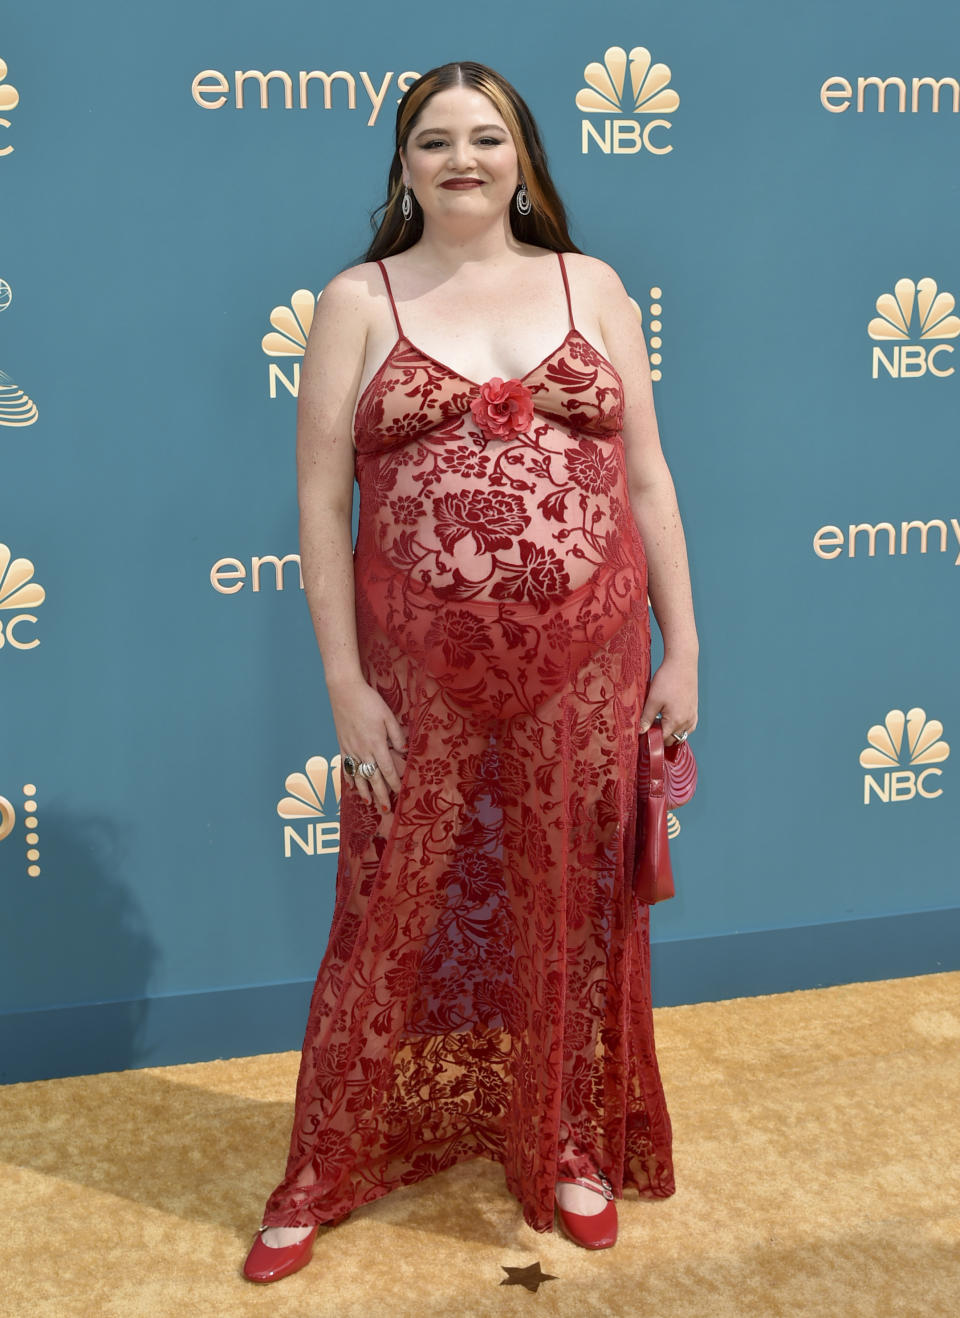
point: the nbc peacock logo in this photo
(607, 94)
(288, 341)
(9, 100)
(307, 808)
(905, 750)
(910, 320)
(18, 594)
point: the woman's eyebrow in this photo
(479, 128)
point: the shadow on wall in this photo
(76, 935)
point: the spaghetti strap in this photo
(383, 271)
(563, 271)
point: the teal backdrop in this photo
(783, 209)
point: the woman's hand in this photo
(367, 730)
(673, 694)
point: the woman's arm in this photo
(653, 501)
(329, 382)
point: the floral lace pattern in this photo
(485, 991)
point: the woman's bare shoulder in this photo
(347, 300)
(597, 291)
(356, 282)
(592, 273)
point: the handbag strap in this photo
(658, 778)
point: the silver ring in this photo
(681, 736)
(349, 765)
(367, 768)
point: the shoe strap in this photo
(604, 1188)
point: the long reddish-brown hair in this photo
(546, 224)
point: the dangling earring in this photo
(523, 199)
(407, 204)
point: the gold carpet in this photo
(817, 1162)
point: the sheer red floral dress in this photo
(485, 991)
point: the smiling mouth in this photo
(462, 183)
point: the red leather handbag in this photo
(666, 778)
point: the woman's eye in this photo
(438, 141)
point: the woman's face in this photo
(459, 134)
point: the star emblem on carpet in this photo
(530, 1276)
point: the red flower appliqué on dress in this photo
(503, 408)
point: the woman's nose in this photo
(461, 156)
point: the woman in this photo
(485, 990)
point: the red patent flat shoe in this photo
(594, 1232)
(271, 1262)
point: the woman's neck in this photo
(445, 247)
